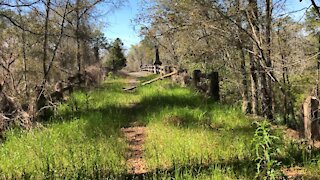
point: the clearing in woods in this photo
(158, 131)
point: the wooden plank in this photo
(151, 81)
(158, 78)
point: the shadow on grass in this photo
(300, 154)
(115, 117)
(234, 167)
(237, 168)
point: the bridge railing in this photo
(205, 82)
(156, 69)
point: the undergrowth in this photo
(188, 137)
(80, 142)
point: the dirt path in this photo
(132, 77)
(135, 136)
(135, 161)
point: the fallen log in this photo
(151, 81)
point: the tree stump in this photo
(185, 79)
(57, 96)
(310, 118)
(214, 86)
(196, 77)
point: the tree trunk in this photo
(287, 102)
(254, 86)
(24, 55)
(258, 54)
(45, 42)
(285, 82)
(78, 36)
(318, 66)
(25, 70)
(245, 93)
(269, 92)
(263, 90)
(254, 60)
(54, 53)
(244, 82)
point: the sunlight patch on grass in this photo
(62, 150)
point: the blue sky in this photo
(120, 22)
(294, 5)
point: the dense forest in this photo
(61, 95)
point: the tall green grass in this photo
(188, 137)
(83, 140)
(185, 129)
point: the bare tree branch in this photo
(19, 5)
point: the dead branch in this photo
(151, 81)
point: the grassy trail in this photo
(186, 133)
(163, 130)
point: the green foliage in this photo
(110, 75)
(116, 58)
(312, 21)
(140, 54)
(100, 43)
(266, 148)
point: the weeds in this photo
(266, 150)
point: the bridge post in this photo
(214, 86)
(155, 69)
(161, 70)
(310, 118)
(167, 69)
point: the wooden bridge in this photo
(156, 69)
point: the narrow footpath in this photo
(135, 136)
